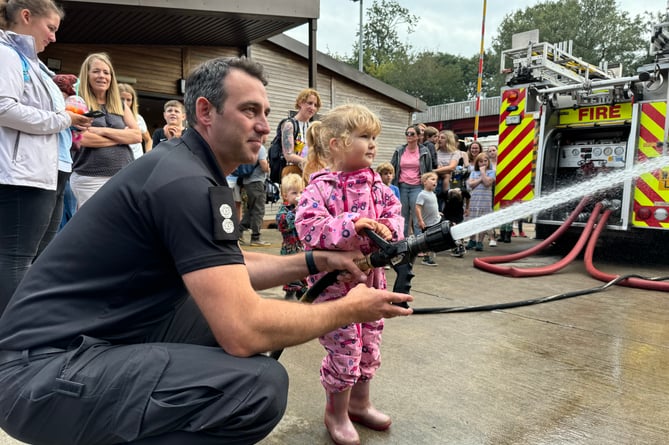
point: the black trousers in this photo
(25, 214)
(179, 388)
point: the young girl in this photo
(291, 189)
(481, 182)
(336, 207)
(129, 97)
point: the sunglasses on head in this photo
(410, 133)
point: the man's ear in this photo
(203, 111)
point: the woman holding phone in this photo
(32, 115)
(105, 147)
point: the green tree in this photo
(599, 30)
(380, 39)
(435, 78)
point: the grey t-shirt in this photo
(430, 207)
(258, 175)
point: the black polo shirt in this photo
(114, 272)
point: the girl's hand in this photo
(378, 228)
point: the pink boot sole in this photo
(371, 426)
(341, 441)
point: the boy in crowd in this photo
(291, 190)
(387, 173)
(174, 114)
(454, 213)
(427, 209)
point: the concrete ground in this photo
(585, 370)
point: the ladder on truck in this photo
(550, 65)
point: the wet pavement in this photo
(586, 370)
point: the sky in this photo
(449, 26)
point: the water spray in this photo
(590, 187)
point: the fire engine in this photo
(563, 120)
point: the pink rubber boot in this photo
(361, 410)
(337, 422)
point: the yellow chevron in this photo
(527, 140)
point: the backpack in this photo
(244, 170)
(272, 192)
(275, 152)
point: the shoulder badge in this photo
(224, 214)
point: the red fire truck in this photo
(563, 120)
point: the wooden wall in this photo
(158, 69)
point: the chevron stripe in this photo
(651, 129)
(648, 191)
(515, 156)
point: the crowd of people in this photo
(144, 301)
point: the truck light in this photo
(512, 95)
(661, 214)
(643, 213)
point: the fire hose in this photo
(631, 281)
(590, 235)
(400, 256)
(488, 263)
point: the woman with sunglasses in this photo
(411, 161)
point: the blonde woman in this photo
(105, 147)
(129, 97)
(451, 165)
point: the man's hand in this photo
(369, 304)
(345, 261)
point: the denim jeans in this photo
(25, 216)
(69, 204)
(408, 195)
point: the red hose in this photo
(599, 275)
(487, 263)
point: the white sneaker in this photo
(492, 243)
(259, 243)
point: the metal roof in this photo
(234, 23)
(460, 110)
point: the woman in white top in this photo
(449, 157)
(129, 97)
(32, 115)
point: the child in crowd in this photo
(387, 172)
(427, 209)
(335, 209)
(174, 114)
(129, 97)
(291, 189)
(481, 183)
(454, 213)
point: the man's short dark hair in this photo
(207, 80)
